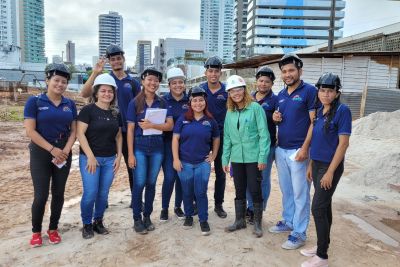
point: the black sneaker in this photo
(148, 224)
(99, 228)
(139, 227)
(205, 228)
(188, 222)
(179, 213)
(220, 211)
(164, 215)
(87, 231)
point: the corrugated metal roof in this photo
(257, 61)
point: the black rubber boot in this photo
(240, 216)
(258, 211)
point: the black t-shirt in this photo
(103, 126)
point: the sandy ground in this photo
(170, 244)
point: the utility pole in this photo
(332, 26)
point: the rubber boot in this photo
(258, 211)
(240, 216)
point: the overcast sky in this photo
(77, 20)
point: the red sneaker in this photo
(54, 237)
(36, 240)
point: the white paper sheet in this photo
(156, 116)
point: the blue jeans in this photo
(266, 181)
(95, 187)
(149, 152)
(295, 191)
(194, 180)
(170, 178)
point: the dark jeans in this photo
(247, 175)
(125, 154)
(220, 177)
(149, 153)
(42, 171)
(322, 205)
(170, 178)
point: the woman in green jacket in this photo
(246, 144)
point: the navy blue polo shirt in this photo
(132, 117)
(177, 109)
(324, 142)
(269, 103)
(295, 108)
(216, 103)
(127, 89)
(52, 122)
(195, 138)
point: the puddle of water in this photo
(371, 230)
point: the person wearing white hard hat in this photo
(246, 146)
(100, 137)
(177, 102)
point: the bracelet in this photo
(51, 149)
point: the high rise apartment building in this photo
(31, 30)
(110, 31)
(143, 55)
(281, 26)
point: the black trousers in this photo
(322, 205)
(125, 154)
(247, 175)
(43, 171)
(220, 177)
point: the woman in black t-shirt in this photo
(100, 138)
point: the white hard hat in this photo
(175, 73)
(105, 78)
(235, 81)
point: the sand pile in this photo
(375, 149)
(379, 125)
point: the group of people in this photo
(304, 129)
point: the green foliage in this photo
(11, 113)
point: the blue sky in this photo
(77, 20)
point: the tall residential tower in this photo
(110, 31)
(31, 13)
(216, 27)
(278, 26)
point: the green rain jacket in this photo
(251, 142)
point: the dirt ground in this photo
(170, 244)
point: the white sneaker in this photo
(293, 242)
(309, 252)
(315, 262)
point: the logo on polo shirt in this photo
(221, 97)
(265, 104)
(185, 106)
(206, 123)
(185, 122)
(43, 108)
(127, 85)
(67, 109)
(282, 100)
(297, 98)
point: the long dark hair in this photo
(331, 112)
(189, 114)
